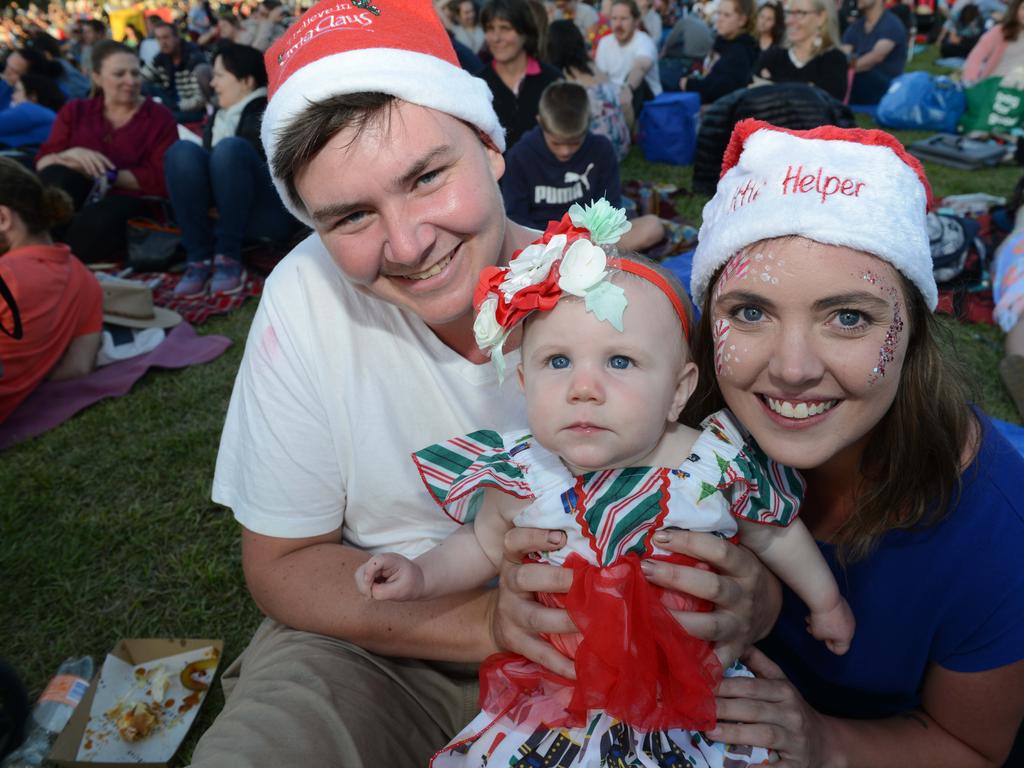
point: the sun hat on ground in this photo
(130, 303)
(840, 186)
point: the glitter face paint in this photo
(737, 268)
(887, 352)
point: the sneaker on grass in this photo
(193, 282)
(228, 275)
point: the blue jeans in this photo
(235, 180)
(869, 87)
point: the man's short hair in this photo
(634, 9)
(302, 138)
(565, 109)
(97, 26)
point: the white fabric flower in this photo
(486, 329)
(532, 265)
(582, 268)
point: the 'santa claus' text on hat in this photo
(797, 182)
(341, 17)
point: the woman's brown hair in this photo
(41, 208)
(747, 9)
(1010, 23)
(912, 463)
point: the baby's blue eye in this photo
(619, 361)
(849, 318)
(558, 362)
(751, 314)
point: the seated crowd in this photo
(164, 121)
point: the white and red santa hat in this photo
(398, 47)
(841, 186)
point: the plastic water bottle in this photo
(52, 712)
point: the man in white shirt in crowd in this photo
(629, 57)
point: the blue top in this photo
(950, 594)
(27, 124)
(889, 27)
(5, 94)
(538, 187)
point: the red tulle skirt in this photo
(633, 660)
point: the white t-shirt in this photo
(617, 60)
(336, 389)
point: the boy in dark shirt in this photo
(560, 162)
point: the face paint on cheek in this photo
(721, 333)
(887, 352)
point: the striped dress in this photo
(644, 688)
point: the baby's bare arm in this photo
(792, 554)
(471, 555)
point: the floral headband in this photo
(566, 260)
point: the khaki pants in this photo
(305, 700)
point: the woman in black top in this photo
(515, 75)
(733, 55)
(770, 28)
(811, 55)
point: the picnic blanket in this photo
(199, 309)
(54, 402)
(641, 197)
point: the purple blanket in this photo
(54, 402)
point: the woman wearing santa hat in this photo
(815, 279)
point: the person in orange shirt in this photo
(59, 300)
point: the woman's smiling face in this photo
(810, 341)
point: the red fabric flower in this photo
(490, 279)
(543, 296)
(564, 227)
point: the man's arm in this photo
(309, 584)
(638, 71)
(875, 56)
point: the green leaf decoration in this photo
(607, 301)
(605, 223)
(706, 490)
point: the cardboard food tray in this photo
(134, 651)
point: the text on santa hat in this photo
(826, 185)
(745, 194)
(327, 20)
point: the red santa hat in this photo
(841, 186)
(360, 46)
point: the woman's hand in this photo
(746, 595)
(767, 711)
(88, 161)
(518, 619)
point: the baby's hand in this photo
(834, 626)
(390, 576)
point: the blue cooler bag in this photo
(668, 128)
(921, 101)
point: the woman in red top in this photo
(59, 300)
(107, 152)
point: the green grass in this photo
(107, 530)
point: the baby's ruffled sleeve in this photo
(457, 471)
(755, 487)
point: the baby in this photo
(605, 369)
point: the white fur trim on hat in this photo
(837, 188)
